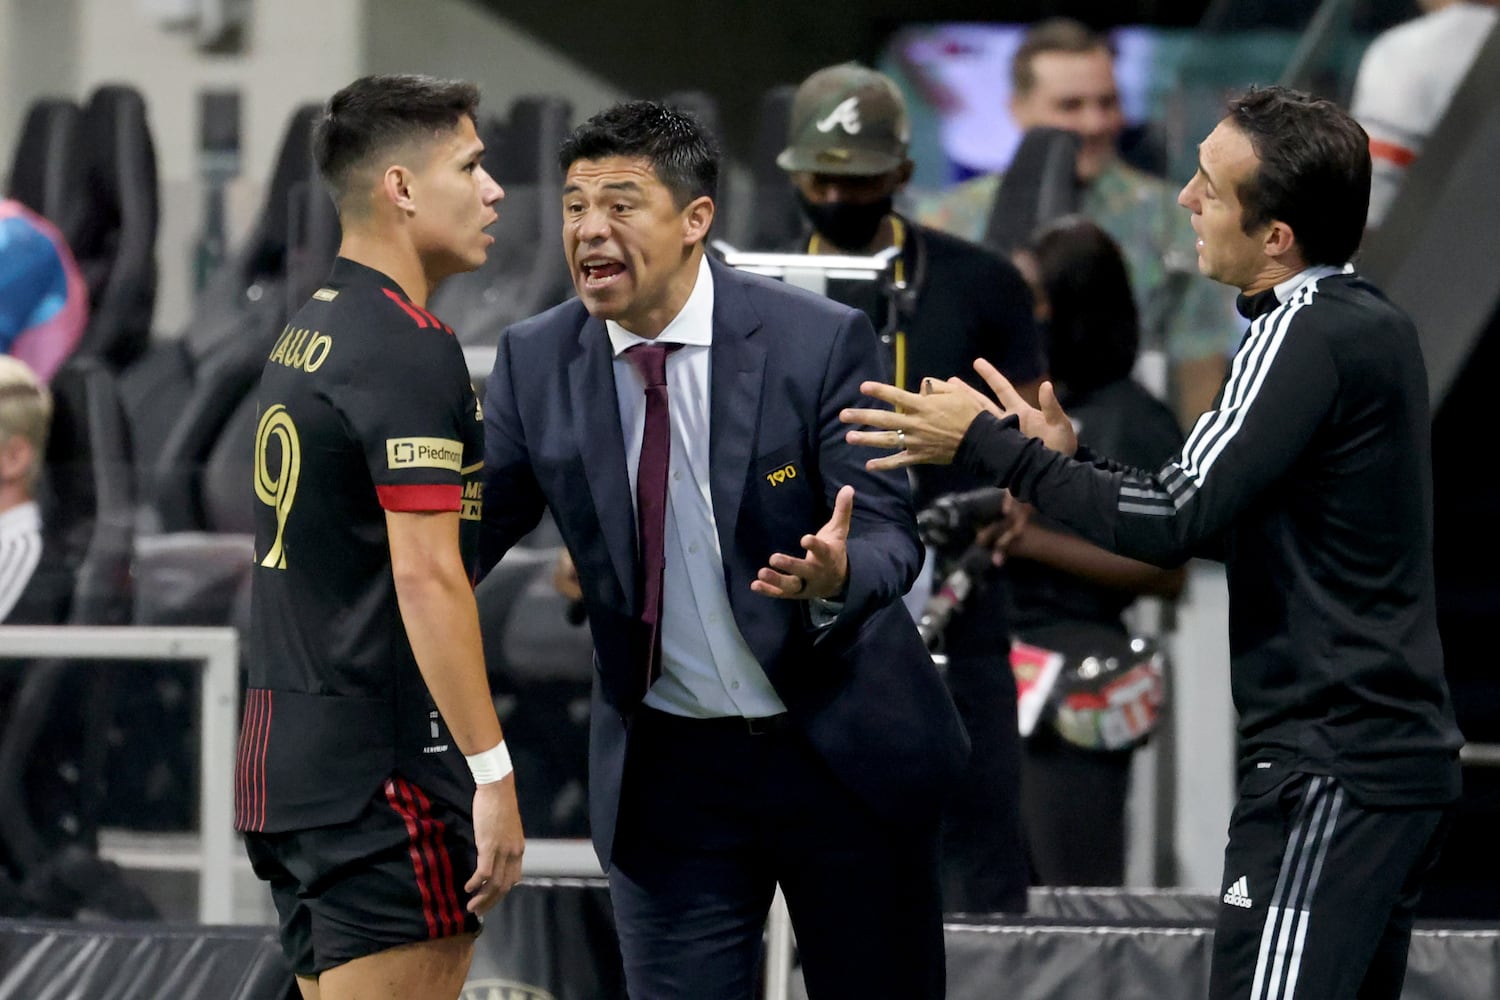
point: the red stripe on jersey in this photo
(240, 757)
(249, 731)
(449, 891)
(414, 851)
(1392, 153)
(411, 310)
(437, 323)
(265, 745)
(253, 739)
(249, 751)
(421, 497)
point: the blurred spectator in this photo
(1406, 79)
(1063, 77)
(27, 596)
(43, 297)
(1073, 799)
(846, 155)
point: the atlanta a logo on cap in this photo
(845, 115)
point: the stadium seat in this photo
(526, 271)
(181, 394)
(540, 665)
(46, 173)
(53, 744)
(113, 230)
(777, 220)
(1039, 186)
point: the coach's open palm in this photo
(1049, 422)
(500, 842)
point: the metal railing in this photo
(216, 650)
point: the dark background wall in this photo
(736, 50)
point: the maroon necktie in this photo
(651, 494)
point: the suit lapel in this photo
(596, 414)
(738, 370)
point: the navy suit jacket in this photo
(783, 363)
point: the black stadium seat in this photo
(1039, 186)
(526, 271)
(53, 743)
(113, 229)
(777, 219)
(46, 173)
(181, 394)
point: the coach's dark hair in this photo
(1314, 171)
(377, 114)
(683, 153)
(1093, 331)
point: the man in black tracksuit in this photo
(1311, 477)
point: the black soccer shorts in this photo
(393, 875)
(1319, 891)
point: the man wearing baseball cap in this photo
(953, 301)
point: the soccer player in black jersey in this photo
(366, 674)
(1311, 477)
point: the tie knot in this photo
(651, 361)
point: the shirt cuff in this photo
(823, 612)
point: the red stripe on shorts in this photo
(418, 864)
(449, 889)
(432, 850)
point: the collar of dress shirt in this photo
(23, 518)
(693, 326)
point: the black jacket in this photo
(1313, 470)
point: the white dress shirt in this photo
(707, 669)
(20, 552)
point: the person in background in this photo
(1073, 799)
(1406, 78)
(26, 597)
(846, 155)
(1063, 76)
(43, 297)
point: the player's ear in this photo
(396, 187)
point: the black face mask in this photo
(847, 225)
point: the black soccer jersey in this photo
(1313, 474)
(365, 406)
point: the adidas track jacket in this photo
(1311, 477)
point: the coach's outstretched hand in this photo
(823, 570)
(498, 837)
(926, 428)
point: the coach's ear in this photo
(697, 217)
(1279, 240)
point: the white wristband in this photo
(490, 766)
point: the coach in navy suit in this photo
(783, 722)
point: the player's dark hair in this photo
(1094, 330)
(1314, 171)
(683, 153)
(376, 115)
